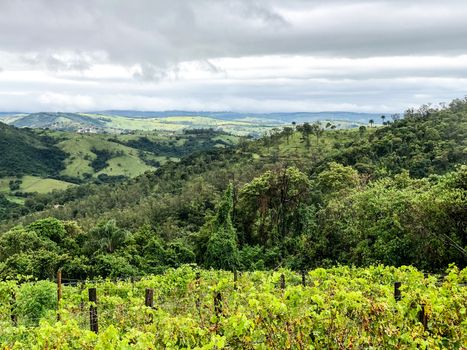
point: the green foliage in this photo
(18, 240)
(339, 308)
(425, 142)
(222, 250)
(252, 258)
(34, 301)
(107, 237)
(336, 179)
(23, 252)
(267, 205)
(178, 253)
(113, 265)
(95, 158)
(24, 152)
(392, 194)
(51, 228)
(7, 208)
(102, 156)
(399, 221)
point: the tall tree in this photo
(318, 131)
(287, 131)
(222, 250)
(306, 130)
(107, 237)
(270, 205)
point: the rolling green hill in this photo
(298, 198)
(102, 123)
(41, 161)
(125, 121)
(422, 144)
(25, 152)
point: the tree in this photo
(269, 205)
(382, 118)
(222, 250)
(306, 130)
(337, 178)
(371, 122)
(399, 221)
(318, 131)
(107, 237)
(362, 130)
(51, 228)
(287, 131)
(18, 240)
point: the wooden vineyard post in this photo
(235, 279)
(93, 321)
(397, 291)
(282, 281)
(422, 317)
(14, 318)
(303, 278)
(59, 292)
(218, 304)
(149, 299)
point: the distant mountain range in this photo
(284, 117)
(128, 120)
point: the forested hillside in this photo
(304, 196)
(41, 161)
(25, 152)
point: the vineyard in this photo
(187, 308)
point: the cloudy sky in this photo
(241, 55)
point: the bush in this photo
(35, 300)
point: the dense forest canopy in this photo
(42, 161)
(302, 196)
(25, 152)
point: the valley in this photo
(40, 161)
(175, 121)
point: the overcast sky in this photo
(240, 55)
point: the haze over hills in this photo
(283, 117)
(234, 122)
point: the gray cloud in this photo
(56, 53)
(54, 62)
(168, 31)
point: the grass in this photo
(79, 147)
(178, 123)
(17, 200)
(128, 165)
(295, 148)
(4, 184)
(32, 184)
(125, 160)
